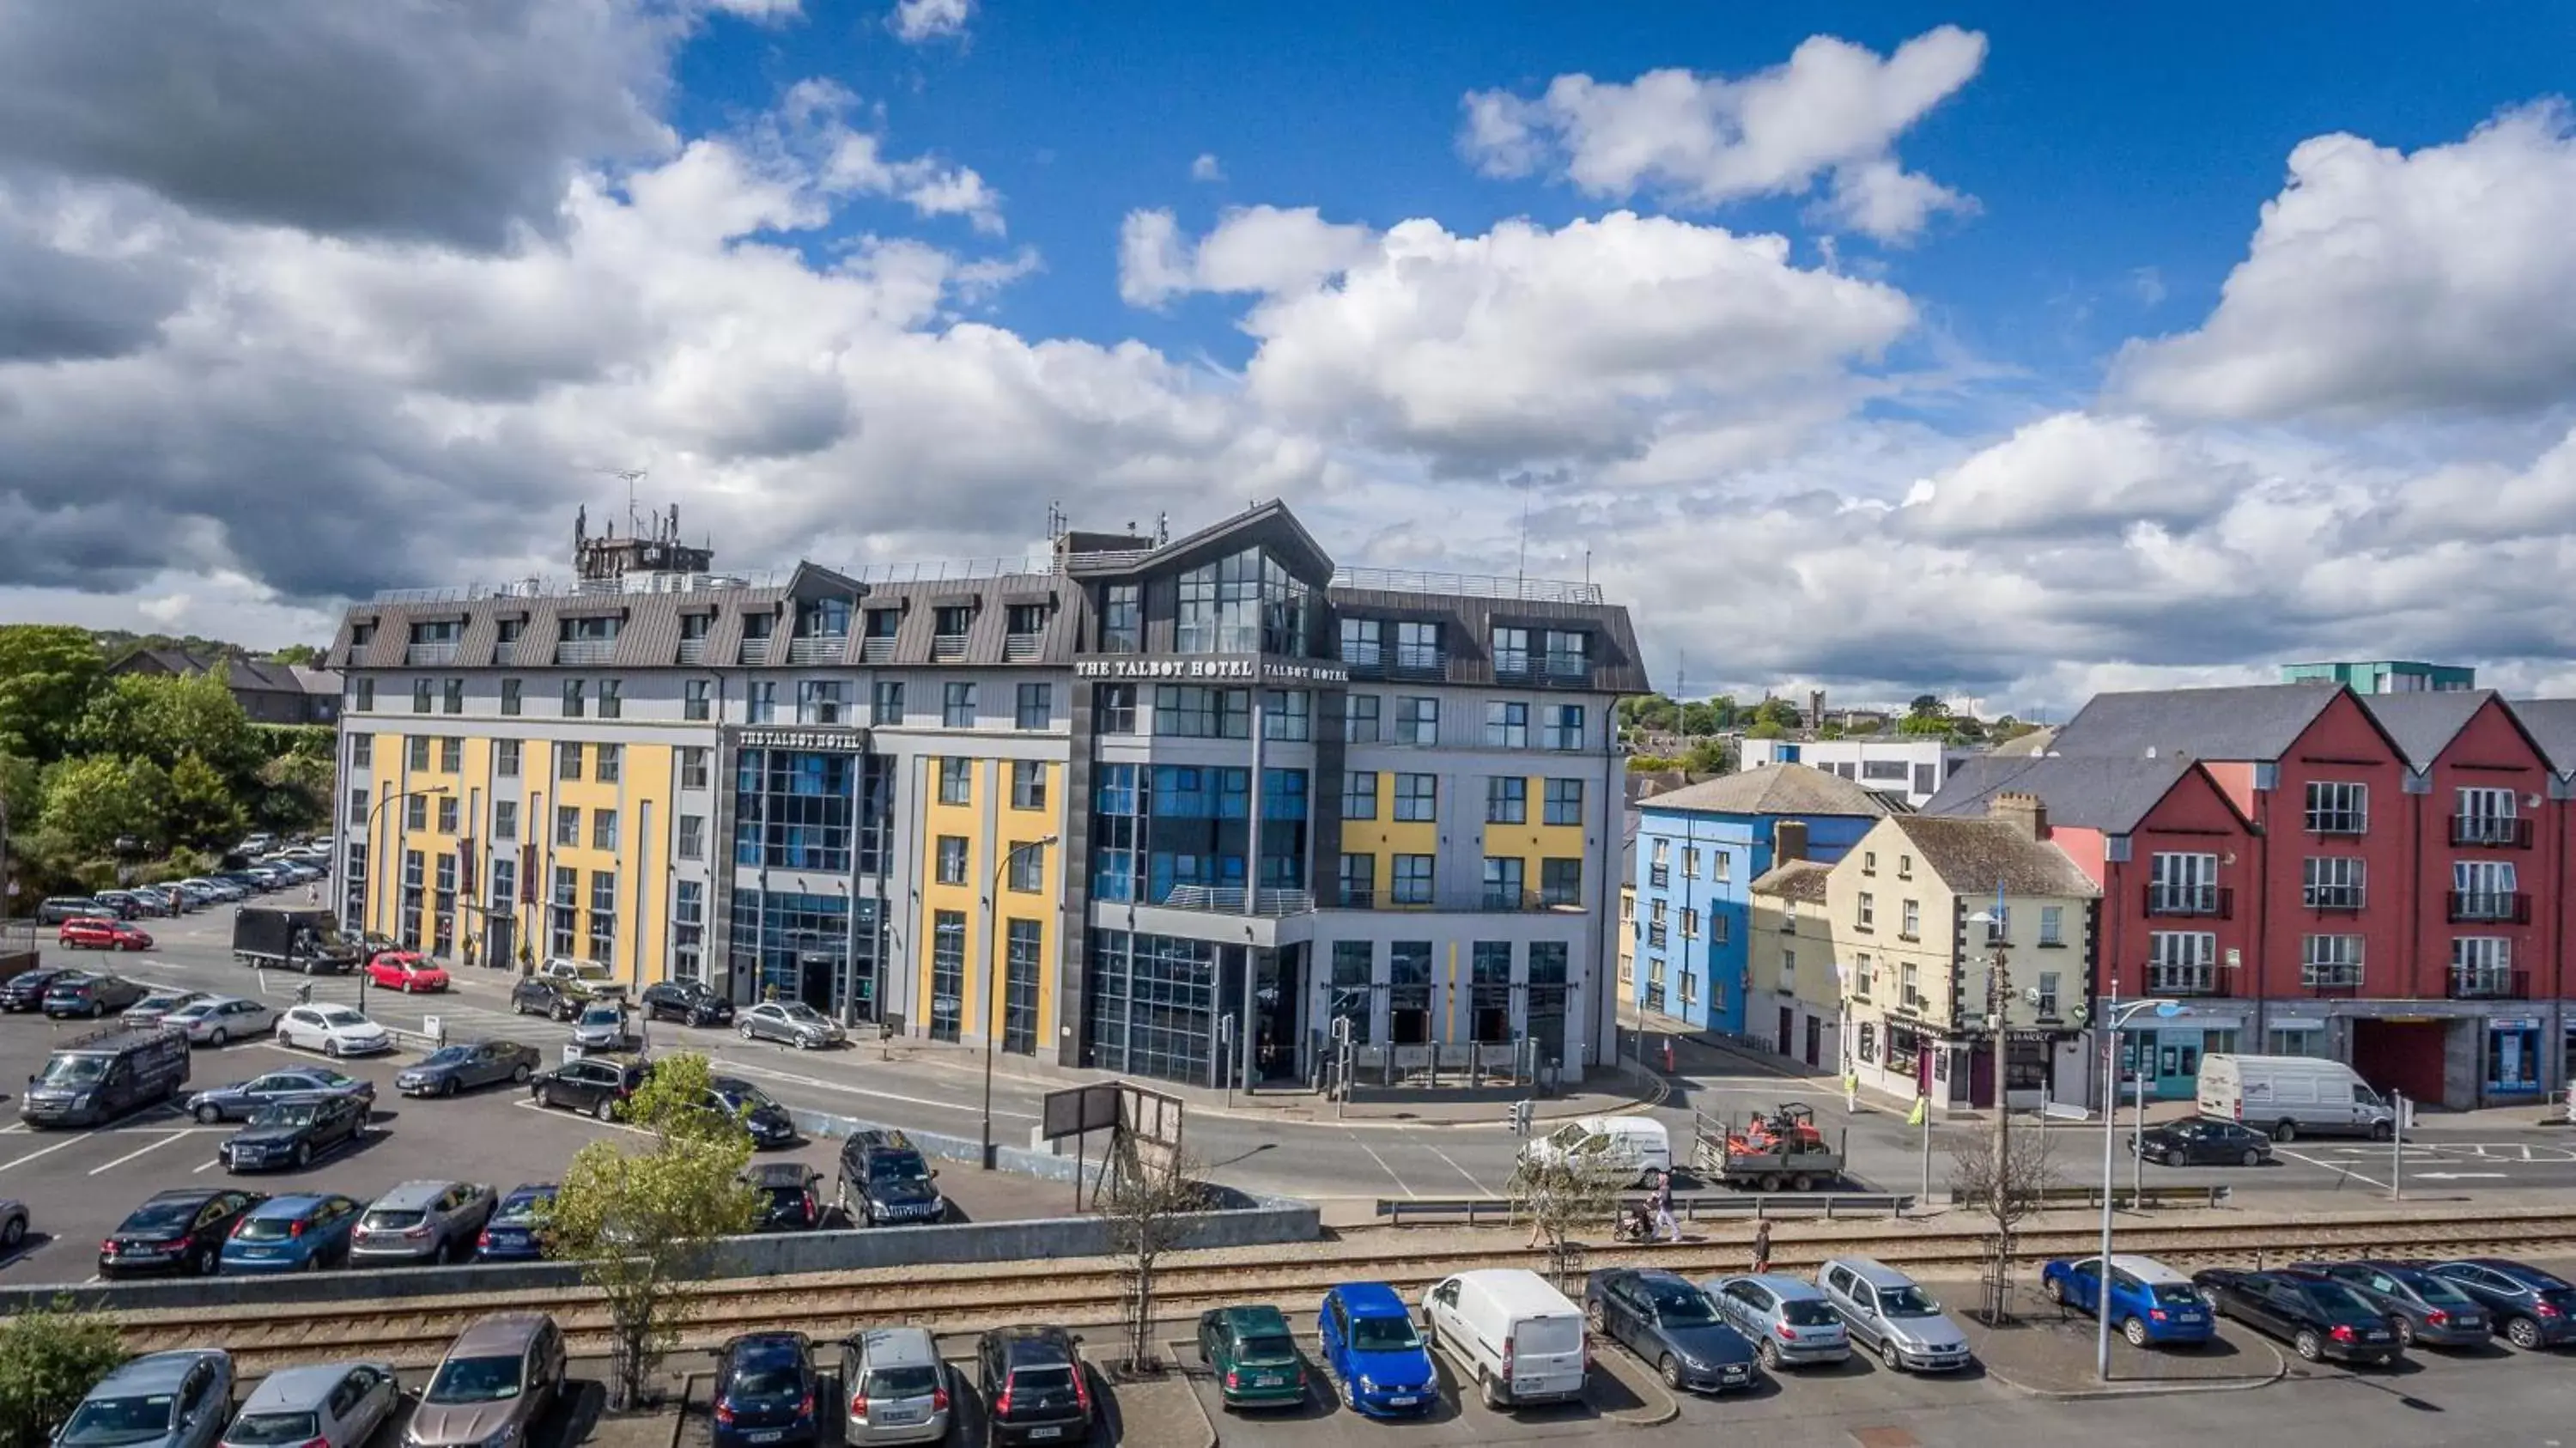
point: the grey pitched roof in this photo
(2253, 722)
(1794, 880)
(2423, 723)
(2551, 723)
(2110, 795)
(2037, 741)
(1776, 789)
(1972, 855)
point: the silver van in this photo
(1885, 1310)
(898, 1386)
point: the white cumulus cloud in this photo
(1259, 249)
(918, 21)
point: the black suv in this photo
(538, 995)
(689, 1002)
(886, 1182)
(596, 1084)
(1033, 1384)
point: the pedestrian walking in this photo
(1666, 1229)
(312, 894)
(1761, 1246)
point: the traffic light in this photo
(1522, 1114)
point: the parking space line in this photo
(156, 1146)
(209, 1164)
(1382, 1166)
(1470, 1176)
(47, 1150)
(2339, 1168)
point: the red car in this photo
(405, 971)
(91, 933)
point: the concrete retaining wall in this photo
(1242, 1222)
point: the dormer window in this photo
(823, 618)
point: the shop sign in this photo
(852, 740)
(2514, 1023)
(1215, 670)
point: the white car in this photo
(220, 1019)
(332, 1030)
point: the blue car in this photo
(511, 1234)
(300, 1233)
(2531, 1308)
(1371, 1345)
(2150, 1302)
(764, 1391)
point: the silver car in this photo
(423, 1221)
(1888, 1312)
(603, 1027)
(156, 1009)
(793, 1022)
(217, 1020)
(328, 1405)
(1788, 1321)
(898, 1387)
(178, 1399)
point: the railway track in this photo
(1087, 1293)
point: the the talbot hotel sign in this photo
(1217, 670)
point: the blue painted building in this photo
(1699, 850)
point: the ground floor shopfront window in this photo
(2513, 1057)
(821, 950)
(1150, 1007)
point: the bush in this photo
(50, 1357)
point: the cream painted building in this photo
(1796, 989)
(1909, 913)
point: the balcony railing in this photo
(2182, 980)
(2205, 900)
(877, 649)
(693, 651)
(585, 651)
(1359, 897)
(755, 651)
(2343, 899)
(2489, 908)
(1229, 900)
(1420, 658)
(1658, 876)
(947, 648)
(2337, 822)
(430, 653)
(2492, 832)
(506, 651)
(2330, 980)
(818, 649)
(2489, 983)
(1019, 648)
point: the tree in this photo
(201, 810)
(294, 792)
(1940, 726)
(1767, 729)
(1706, 756)
(91, 801)
(1829, 730)
(643, 1223)
(47, 674)
(1560, 1193)
(1927, 706)
(1776, 711)
(1148, 1209)
(302, 656)
(166, 719)
(50, 1357)
(2005, 1175)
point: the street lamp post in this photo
(992, 967)
(2114, 1018)
(376, 870)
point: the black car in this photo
(764, 1391)
(689, 1002)
(2205, 1143)
(788, 1202)
(293, 1133)
(2316, 1315)
(84, 994)
(2420, 1306)
(25, 991)
(596, 1084)
(1666, 1321)
(538, 995)
(179, 1231)
(885, 1181)
(766, 1120)
(1034, 1386)
(2532, 1308)
(469, 1064)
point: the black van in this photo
(104, 1075)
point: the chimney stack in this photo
(1815, 708)
(2024, 812)
(1788, 841)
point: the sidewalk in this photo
(2049, 1353)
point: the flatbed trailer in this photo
(1775, 1151)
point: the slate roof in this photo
(2551, 723)
(254, 674)
(1777, 789)
(2251, 722)
(2110, 795)
(1976, 855)
(2037, 741)
(2422, 724)
(1794, 880)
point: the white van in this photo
(1628, 1148)
(1516, 1336)
(2282, 1096)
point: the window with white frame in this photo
(1867, 911)
(2481, 966)
(2052, 925)
(2486, 817)
(1910, 919)
(2330, 962)
(2338, 807)
(2483, 890)
(693, 837)
(2332, 882)
(2182, 962)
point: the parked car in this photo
(13, 1225)
(294, 1133)
(1886, 1311)
(299, 1232)
(95, 1078)
(2530, 1307)
(581, 979)
(154, 1010)
(97, 932)
(2150, 1302)
(2421, 1306)
(1670, 1324)
(1373, 1349)
(898, 1386)
(333, 1030)
(791, 1022)
(224, 891)
(512, 1234)
(59, 908)
(2204, 1143)
(2286, 1095)
(884, 1180)
(176, 1399)
(25, 991)
(1254, 1357)
(1512, 1334)
(422, 1221)
(469, 1064)
(2317, 1316)
(94, 996)
(1034, 1386)
(602, 1026)
(598, 1085)
(220, 1020)
(1625, 1149)
(135, 904)
(178, 1231)
(766, 1120)
(326, 1405)
(498, 1381)
(1788, 1321)
(240, 1100)
(539, 995)
(690, 1002)
(764, 1391)
(406, 971)
(789, 1202)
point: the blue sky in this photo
(2006, 351)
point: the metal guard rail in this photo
(2090, 1195)
(1688, 1206)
